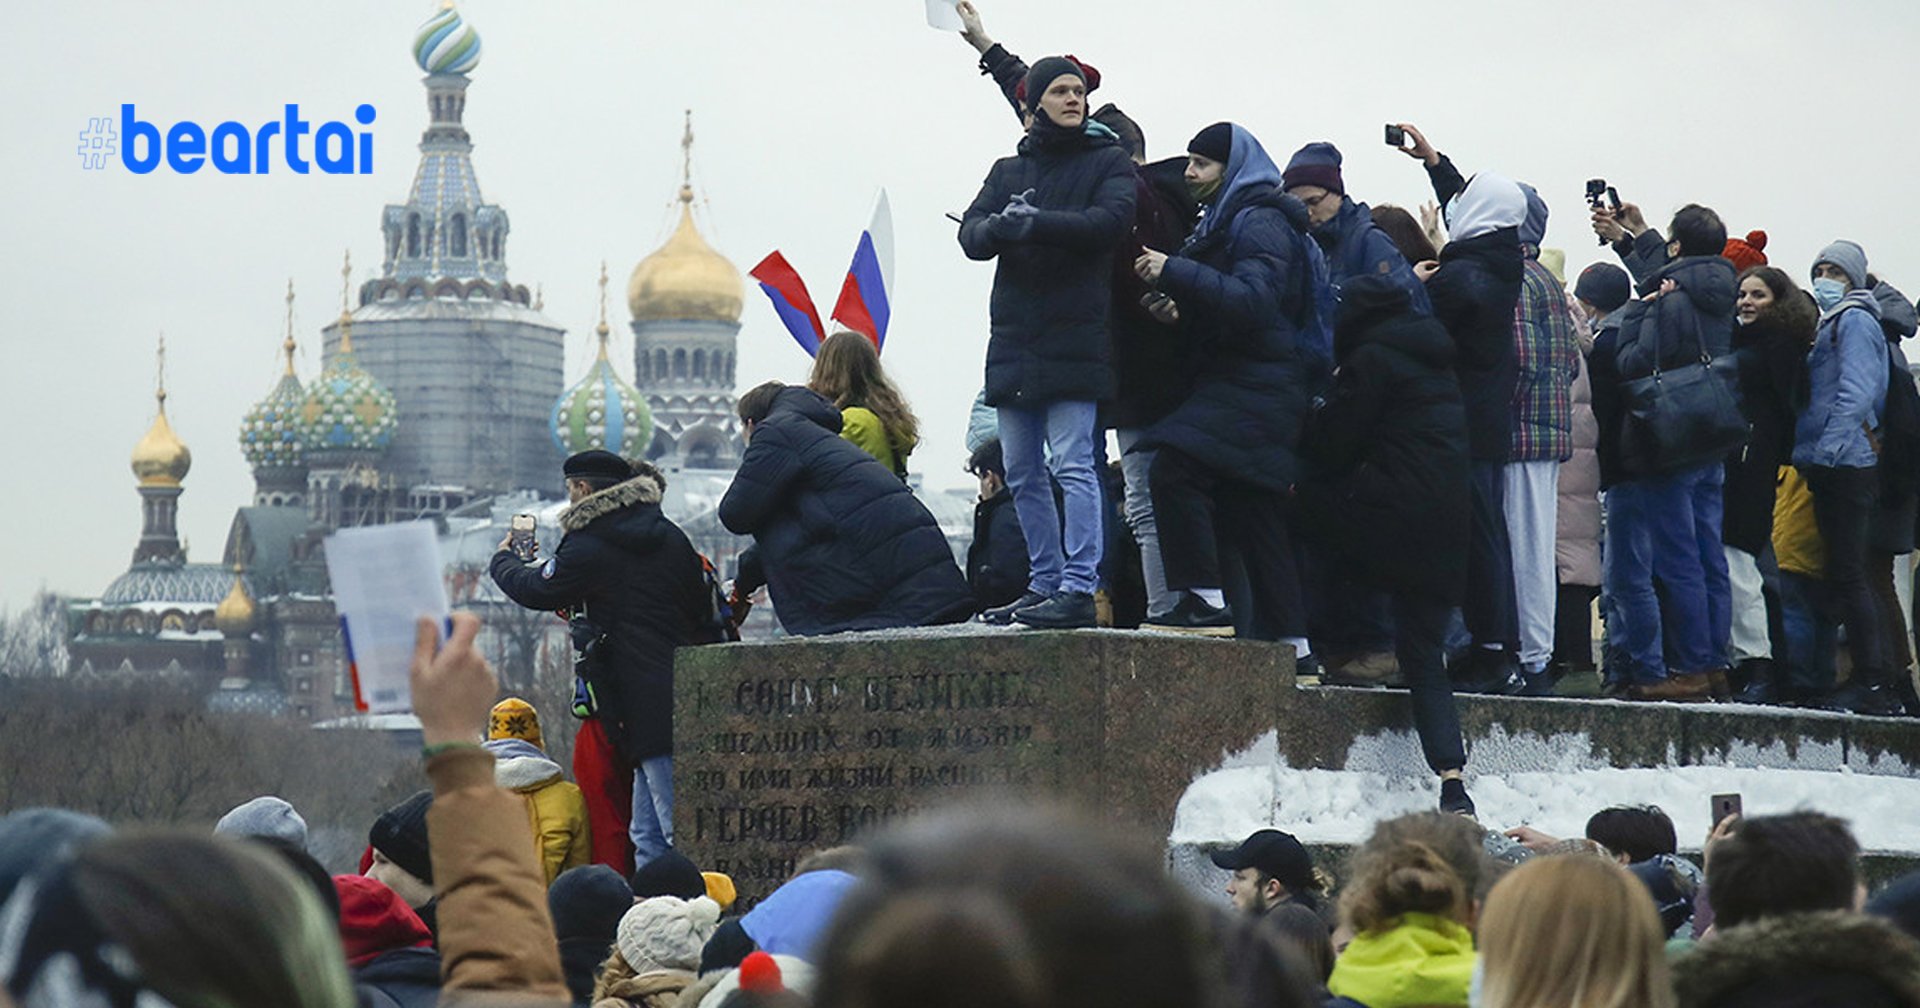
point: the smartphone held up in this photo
(521, 537)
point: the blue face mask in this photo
(1828, 292)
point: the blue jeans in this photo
(1057, 437)
(652, 826)
(1806, 614)
(1134, 466)
(1654, 529)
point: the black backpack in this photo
(1899, 434)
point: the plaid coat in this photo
(1547, 358)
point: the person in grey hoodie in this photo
(1836, 451)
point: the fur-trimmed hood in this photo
(1802, 959)
(646, 487)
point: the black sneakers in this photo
(1193, 615)
(1877, 699)
(1453, 797)
(1484, 670)
(1003, 615)
(1064, 611)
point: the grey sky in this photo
(1767, 110)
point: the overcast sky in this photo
(1792, 117)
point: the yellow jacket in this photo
(1796, 538)
(862, 426)
(1422, 960)
(555, 808)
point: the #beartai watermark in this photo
(230, 147)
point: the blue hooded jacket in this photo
(1243, 284)
(1847, 375)
(1356, 247)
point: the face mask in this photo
(1206, 190)
(1828, 292)
(1476, 999)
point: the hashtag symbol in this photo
(96, 142)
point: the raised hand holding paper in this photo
(944, 15)
(385, 577)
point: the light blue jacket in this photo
(1847, 372)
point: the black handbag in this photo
(1680, 418)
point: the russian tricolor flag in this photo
(864, 304)
(790, 300)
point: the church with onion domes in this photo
(441, 397)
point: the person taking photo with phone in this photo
(633, 589)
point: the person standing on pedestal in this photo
(1475, 286)
(1052, 215)
(1389, 494)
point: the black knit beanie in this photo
(401, 834)
(1044, 73)
(1215, 143)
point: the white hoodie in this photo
(1488, 203)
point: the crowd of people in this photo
(1407, 448)
(1340, 426)
(473, 893)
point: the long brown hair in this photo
(847, 371)
(1578, 932)
(1406, 233)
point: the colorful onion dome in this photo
(446, 44)
(602, 411)
(269, 434)
(345, 409)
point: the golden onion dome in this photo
(160, 459)
(233, 617)
(685, 280)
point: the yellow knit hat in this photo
(719, 888)
(514, 718)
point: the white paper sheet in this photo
(944, 15)
(385, 577)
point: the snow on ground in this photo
(1257, 789)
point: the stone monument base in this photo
(790, 747)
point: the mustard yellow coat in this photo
(555, 809)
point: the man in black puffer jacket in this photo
(1052, 215)
(1475, 288)
(634, 589)
(1389, 493)
(839, 540)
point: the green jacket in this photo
(862, 426)
(1422, 960)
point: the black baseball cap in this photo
(1276, 853)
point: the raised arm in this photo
(496, 936)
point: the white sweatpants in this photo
(1749, 639)
(1532, 509)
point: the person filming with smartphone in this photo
(631, 585)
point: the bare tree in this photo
(33, 640)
